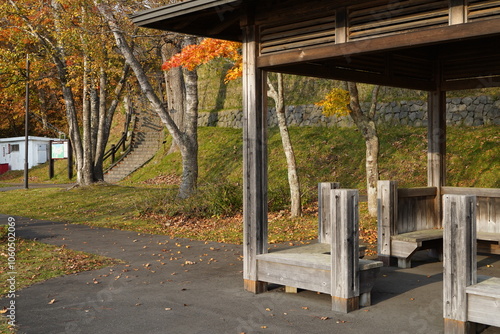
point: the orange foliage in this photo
(197, 54)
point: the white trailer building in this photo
(12, 151)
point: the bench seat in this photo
(483, 301)
(318, 247)
(404, 245)
(309, 268)
(419, 236)
(488, 242)
(488, 236)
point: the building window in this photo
(14, 148)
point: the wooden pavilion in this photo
(429, 45)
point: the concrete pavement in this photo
(181, 286)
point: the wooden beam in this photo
(387, 200)
(387, 43)
(329, 71)
(459, 244)
(324, 224)
(436, 147)
(458, 12)
(472, 83)
(344, 249)
(341, 30)
(479, 192)
(417, 192)
(254, 160)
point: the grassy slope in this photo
(323, 155)
(338, 155)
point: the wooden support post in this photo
(436, 152)
(70, 160)
(254, 161)
(459, 243)
(458, 12)
(51, 161)
(324, 224)
(345, 249)
(387, 198)
(341, 30)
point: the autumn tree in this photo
(70, 35)
(186, 137)
(45, 106)
(194, 55)
(346, 101)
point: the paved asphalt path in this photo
(180, 286)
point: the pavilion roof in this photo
(417, 44)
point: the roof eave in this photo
(209, 18)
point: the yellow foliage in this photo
(336, 103)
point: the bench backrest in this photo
(416, 209)
(488, 206)
(406, 210)
(324, 224)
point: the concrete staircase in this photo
(146, 140)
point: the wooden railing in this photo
(124, 144)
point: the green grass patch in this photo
(40, 174)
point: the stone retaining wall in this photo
(468, 111)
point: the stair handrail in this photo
(114, 148)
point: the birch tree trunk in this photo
(187, 140)
(175, 88)
(85, 166)
(293, 177)
(366, 125)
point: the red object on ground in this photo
(4, 168)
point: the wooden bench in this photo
(314, 261)
(487, 216)
(333, 268)
(468, 299)
(408, 221)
